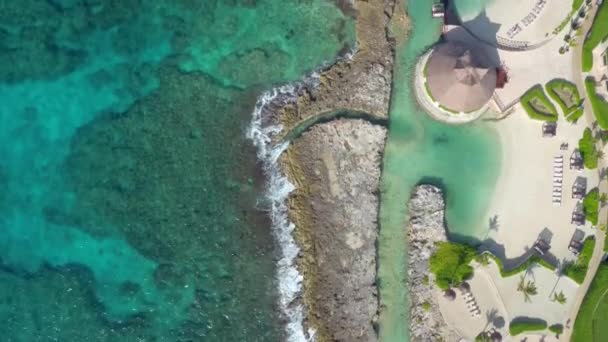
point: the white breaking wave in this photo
(278, 189)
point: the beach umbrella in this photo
(465, 287)
(450, 294)
(496, 337)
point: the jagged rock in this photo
(342, 160)
(426, 227)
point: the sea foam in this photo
(263, 131)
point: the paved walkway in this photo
(598, 252)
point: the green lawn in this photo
(598, 33)
(578, 270)
(600, 107)
(586, 145)
(567, 97)
(537, 105)
(576, 4)
(590, 324)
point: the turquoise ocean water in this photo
(462, 160)
(131, 202)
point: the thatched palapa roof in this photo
(459, 78)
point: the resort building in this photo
(512, 62)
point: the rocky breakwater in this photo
(426, 227)
(335, 208)
(335, 167)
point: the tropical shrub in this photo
(450, 264)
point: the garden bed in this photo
(597, 34)
(521, 325)
(537, 105)
(586, 146)
(599, 105)
(578, 270)
(522, 267)
(567, 97)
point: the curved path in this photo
(304, 125)
(598, 252)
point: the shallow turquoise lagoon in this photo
(130, 202)
(462, 160)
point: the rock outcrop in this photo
(426, 227)
(335, 167)
(335, 209)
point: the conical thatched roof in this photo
(459, 78)
(450, 294)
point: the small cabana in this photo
(549, 129)
(576, 160)
(575, 246)
(465, 287)
(578, 218)
(541, 246)
(579, 188)
(496, 337)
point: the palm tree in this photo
(527, 288)
(559, 297)
(599, 154)
(603, 199)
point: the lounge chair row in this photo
(558, 178)
(471, 304)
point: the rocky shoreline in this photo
(335, 167)
(425, 228)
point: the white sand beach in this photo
(522, 203)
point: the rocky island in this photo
(426, 227)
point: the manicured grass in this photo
(524, 266)
(537, 105)
(565, 94)
(523, 324)
(578, 270)
(576, 4)
(591, 206)
(590, 324)
(597, 34)
(599, 105)
(586, 145)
